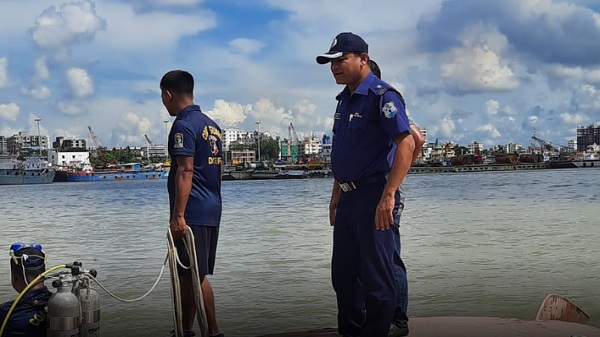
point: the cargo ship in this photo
(30, 170)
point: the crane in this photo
(296, 139)
(293, 141)
(547, 145)
(149, 141)
(97, 144)
(289, 143)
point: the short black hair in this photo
(32, 260)
(375, 68)
(178, 81)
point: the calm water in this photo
(490, 244)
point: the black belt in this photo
(354, 185)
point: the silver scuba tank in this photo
(89, 299)
(63, 309)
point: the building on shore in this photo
(588, 135)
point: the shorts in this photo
(205, 239)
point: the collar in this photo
(35, 292)
(188, 109)
(363, 87)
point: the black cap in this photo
(344, 43)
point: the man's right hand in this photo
(333, 203)
(332, 211)
(178, 226)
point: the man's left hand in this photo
(384, 217)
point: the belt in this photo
(354, 185)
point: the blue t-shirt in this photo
(194, 134)
(365, 125)
(29, 317)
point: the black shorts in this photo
(205, 238)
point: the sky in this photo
(490, 71)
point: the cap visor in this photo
(322, 59)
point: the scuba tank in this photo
(89, 300)
(63, 309)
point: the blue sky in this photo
(471, 70)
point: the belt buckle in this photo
(347, 187)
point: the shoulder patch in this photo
(389, 109)
(178, 141)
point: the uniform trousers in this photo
(400, 313)
(363, 265)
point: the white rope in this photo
(162, 270)
(174, 261)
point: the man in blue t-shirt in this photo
(194, 187)
(28, 318)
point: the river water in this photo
(475, 244)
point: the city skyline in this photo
(493, 71)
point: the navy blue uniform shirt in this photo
(365, 125)
(29, 317)
(194, 134)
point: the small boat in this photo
(589, 160)
(292, 174)
(30, 170)
(264, 174)
(557, 317)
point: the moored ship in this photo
(130, 171)
(588, 160)
(31, 170)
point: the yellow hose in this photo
(29, 286)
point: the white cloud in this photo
(306, 114)
(266, 112)
(39, 92)
(587, 97)
(446, 127)
(58, 28)
(72, 107)
(228, 114)
(492, 107)
(3, 72)
(9, 111)
(491, 130)
(478, 69)
(79, 82)
(587, 74)
(131, 128)
(41, 69)
(477, 65)
(246, 46)
(596, 17)
(131, 33)
(573, 119)
(509, 111)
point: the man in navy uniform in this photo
(372, 151)
(194, 187)
(28, 318)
